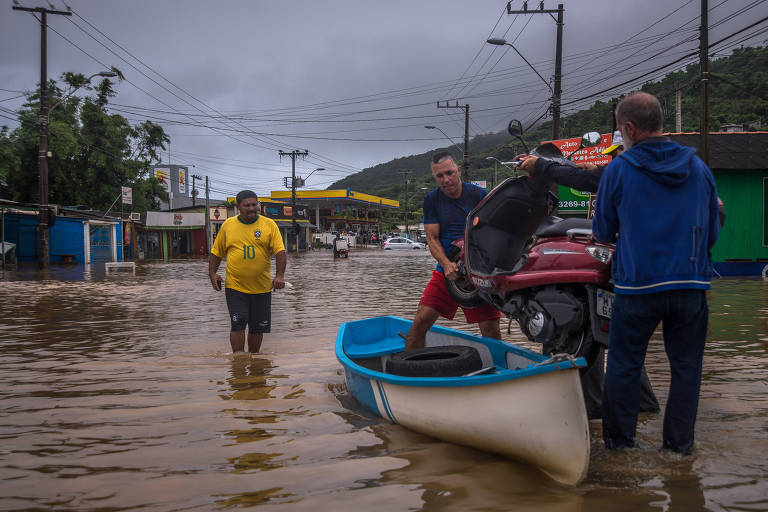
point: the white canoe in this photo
(524, 406)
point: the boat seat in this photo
(379, 348)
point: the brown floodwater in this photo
(118, 392)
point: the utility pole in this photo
(208, 240)
(466, 133)
(406, 175)
(558, 58)
(704, 56)
(43, 220)
(380, 226)
(293, 154)
(678, 109)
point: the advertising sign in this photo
(278, 210)
(127, 195)
(481, 184)
(175, 219)
(163, 176)
(575, 201)
(218, 213)
(182, 180)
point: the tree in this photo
(9, 162)
(93, 153)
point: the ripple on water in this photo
(118, 393)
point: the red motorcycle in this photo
(543, 271)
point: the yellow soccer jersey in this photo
(248, 249)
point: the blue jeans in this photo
(634, 318)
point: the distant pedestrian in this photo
(248, 242)
(658, 201)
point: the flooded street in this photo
(119, 393)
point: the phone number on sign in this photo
(572, 204)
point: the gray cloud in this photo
(295, 61)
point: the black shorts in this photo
(253, 309)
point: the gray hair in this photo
(643, 110)
(443, 155)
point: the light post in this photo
(303, 180)
(44, 214)
(555, 94)
(465, 164)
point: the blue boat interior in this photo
(364, 346)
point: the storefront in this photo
(171, 235)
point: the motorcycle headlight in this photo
(602, 254)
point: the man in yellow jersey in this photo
(248, 241)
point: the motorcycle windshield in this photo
(501, 227)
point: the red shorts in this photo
(437, 297)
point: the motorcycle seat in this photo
(555, 226)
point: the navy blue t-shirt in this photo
(451, 214)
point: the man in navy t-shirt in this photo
(445, 214)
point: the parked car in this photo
(398, 243)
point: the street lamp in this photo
(313, 172)
(430, 127)
(43, 215)
(502, 42)
(555, 92)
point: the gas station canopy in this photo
(330, 198)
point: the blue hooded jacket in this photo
(658, 200)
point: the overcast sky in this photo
(352, 82)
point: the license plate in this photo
(604, 303)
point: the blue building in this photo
(75, 237)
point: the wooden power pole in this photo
(43, 218)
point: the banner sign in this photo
(127, 195)
(163, 176)
(481, 184)
(572, 200)
(218, 213)
(278, 210)
(182, 180)
(169, 219)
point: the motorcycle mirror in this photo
(591, 139)
(515, 129)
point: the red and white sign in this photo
(593, 155)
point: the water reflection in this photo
(117, 393)
(248, 378)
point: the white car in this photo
(398, 243)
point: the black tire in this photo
(447, 361)
(462, 290)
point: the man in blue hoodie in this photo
(658, 201)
